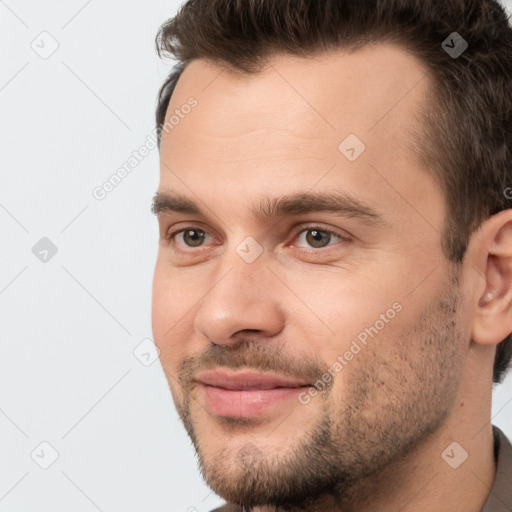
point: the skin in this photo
(374, 440)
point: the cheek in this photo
(167, 319)
(338, 308)
(169, 301)
(366, 332)
(373, 359)
(161, 307)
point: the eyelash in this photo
(172, 234)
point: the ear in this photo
(492, 321)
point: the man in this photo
(332, 294)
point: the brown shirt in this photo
(500, 497)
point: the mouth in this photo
(246, 394)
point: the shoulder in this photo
(500, 497)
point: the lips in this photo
(246, 394)
(247, 380)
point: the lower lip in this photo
(246, 403)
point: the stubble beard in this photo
(396, 393)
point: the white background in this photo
(68, 375)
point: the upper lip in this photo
(247, 380)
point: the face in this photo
(308, 323)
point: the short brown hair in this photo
(466, 139)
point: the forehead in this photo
(281, 129)
(361, 90)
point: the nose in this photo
(244, 297)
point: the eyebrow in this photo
(341, 204)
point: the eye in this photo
(190, 236)
(317, 238)
(314, 236)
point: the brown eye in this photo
(192, 237)
(317, 238)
